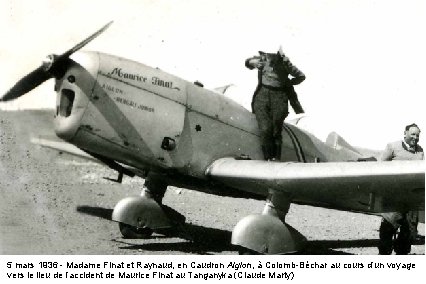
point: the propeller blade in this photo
(26, 84)
(86, 41)
(53, 66)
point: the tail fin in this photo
(337, 142)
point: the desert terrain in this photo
(55, 203)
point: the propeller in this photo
(53, 66)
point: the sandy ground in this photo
(52, 203)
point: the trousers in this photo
(271, 108)
(391, 222)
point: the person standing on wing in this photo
(270, 100)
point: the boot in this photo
(266, 152)
(277, 152)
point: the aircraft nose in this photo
(73, 92)
(68, 111)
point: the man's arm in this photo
(298, 76)
(254, 62)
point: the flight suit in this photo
(270, 100)
(406, 222)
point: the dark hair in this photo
(411, 125)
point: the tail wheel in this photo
(131, 232)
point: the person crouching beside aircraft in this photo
(406, 222)
(270, 99)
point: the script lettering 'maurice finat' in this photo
(131, 76)
(156, 81)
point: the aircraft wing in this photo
(369, 187)
(66, 147)
(62, 147)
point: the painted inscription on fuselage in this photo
(166, 84)
(156, 81)
(112, 89)
(133, 104)
(131, 76)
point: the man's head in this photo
(412, 134)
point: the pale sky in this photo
(364, 60)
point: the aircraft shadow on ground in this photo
(199, 240)
(319, 247)
(100, 212)
(202, 240)
(330, 246)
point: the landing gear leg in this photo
(139, 216)
(155, 187)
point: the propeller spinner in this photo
(52, 66)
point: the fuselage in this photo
(146, 118)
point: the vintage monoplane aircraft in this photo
(145, 122)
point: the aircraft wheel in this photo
(130, 232)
